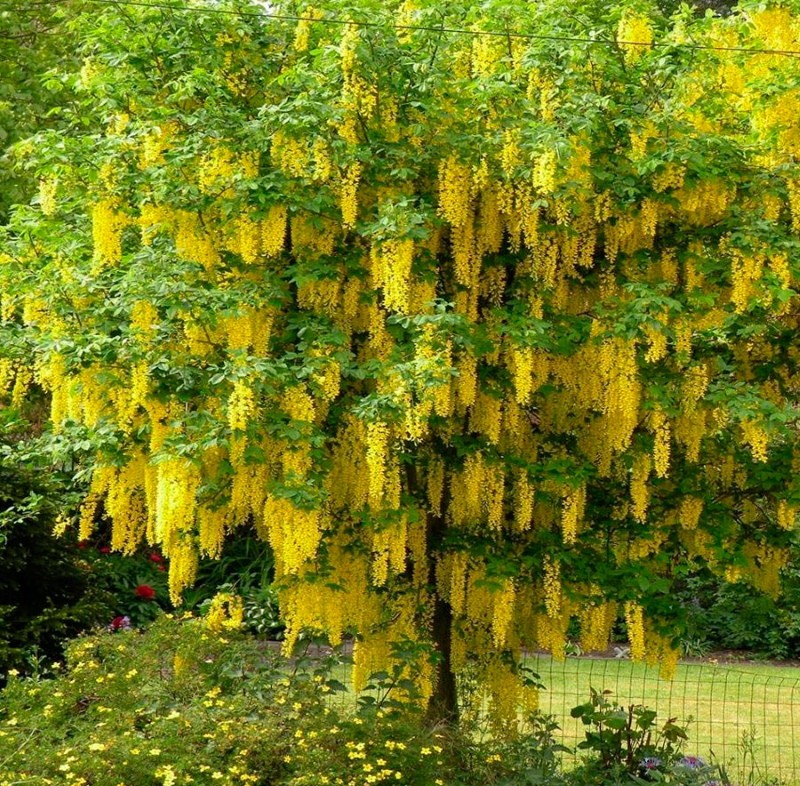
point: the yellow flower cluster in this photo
(634, 619)
(47, 195)
(294, 533)
(503, 612)
(241, 406)
(640, 491)
(377, 444)
(273, 231)
(107, 226)
(551, 579)
(348, 198)
(411, 419)
(225, 612)
(597, 622)
(659, 424)
(787, 515)
(754, 435)
(634, 35)
(572, 513)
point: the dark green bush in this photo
(723, 616)
(46, 595)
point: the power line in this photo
(441, 29)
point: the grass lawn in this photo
(728, 704)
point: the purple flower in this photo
(692, 763)
(650, 763)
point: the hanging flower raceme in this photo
(404, 304)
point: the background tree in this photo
(35, 39)
(484, 315)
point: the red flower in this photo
(82, 544)
(145, 591)
(156, 557)
(105, 549)
(120, 623)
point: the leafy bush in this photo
(52, 588)
(47, 596)
(181, 703)
(196, 701)
(627, 738)
(626, 745)
(246, 567)
(728, 616)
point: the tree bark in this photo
(443, 703)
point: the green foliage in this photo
(35, 40)
(245, 567)
(530, 759)
(135, 583)
(46, 592)
(723, 616)
(181, 704)
(627, 739)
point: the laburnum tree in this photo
(485, 315)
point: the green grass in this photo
(729, 704)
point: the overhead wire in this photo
(436, 29)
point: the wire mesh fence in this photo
(746, 717)
(743, 716)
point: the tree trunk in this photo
(443, 703)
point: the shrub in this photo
(182, 703)
(726, 616)
(245, 566)
(627, 745)
(135, 585)
(47, 596)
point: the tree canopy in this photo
(483, 314)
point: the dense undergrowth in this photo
(194, 701)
